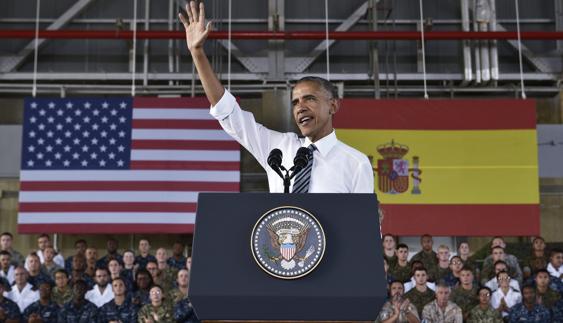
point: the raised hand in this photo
(196, 29)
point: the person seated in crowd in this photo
(420, 295)
(500, 265)
(513, 266)
(412, 283)
(80, 247)
(484, 312)
(6, 239)
(6, 267)
(182, 282)
(143, 284)
(91, 259)
(388, 276)
(61, 293)
(116, 271)
(189, 263)
(49, 266)
(441, 309)
(79, 309)
(9, 310)
(443, 268)
(184, 312)
(144, 255)
(547, 295)
(465, 294)
(397, 309)
(44, 310)
(389, 249)
(44, 241)
(464, 253)
(555, 266)
(505, 297)
(119, 309)
(111, 253)
(157, 310)
(401, 270)
(22, 292)
(452, 278)
(177, 260)
(101, 293)
(529, 310)
(35, 274)
(129, 267)
(79, 270)
(167, 275)
(538, 257)
(428, 257)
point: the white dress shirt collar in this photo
(325, 144)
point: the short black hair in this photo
(555, 251)
(402, 245)
(60, 271)
(6, 233)
(5, 253)
(323, 83)
(541, 270)
(485, 288)
(500, 262)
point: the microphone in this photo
(275, 160)
(301, 160)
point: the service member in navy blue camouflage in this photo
(177, 260)
(529, 310)
(111, 247)
(120, 309)
(35, 275)
(143, 283)
(9, 310)
(184, 312)
(144, 256)
(44, 310)
(79, 310)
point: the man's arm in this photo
(196, 33)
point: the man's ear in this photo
(334, 105)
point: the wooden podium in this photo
(227, 284)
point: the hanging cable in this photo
(229, 49)
(34, 90)
(523, 92)
(134, 67)
(423, 51)
(327, 43)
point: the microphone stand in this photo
(287, 178)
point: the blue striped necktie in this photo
(303, 178)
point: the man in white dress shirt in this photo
(44, 241)
(22, 292)
(555, 266)
(505, 296)
(500, 265)
(337, 168)
(102, 292)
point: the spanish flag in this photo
(449, 167)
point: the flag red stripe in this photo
(168, 103)
(462, 219)
(185, 144)
(176, 124)
(96, 228)
(108, 207)
(436, 114)
(184, 165)
(129, 186)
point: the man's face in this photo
(183, 278)
(312, 110)
(498, 254)
(177, 249)
(128, 258)
(539, 244)
(78, 263)
(503, 280)
(426, 243)
(153, 269)
(45, 290)
(529, 295)
(484, 297)
(388, 242)
(443, 254)
(442, 295)
(499, 268)
(5, 261)
(5, 242)
(80, 247)
(396, 289)
(420, 277)
(49, 254)
(102, 278)
(542, 279)
(189, 263)
(161, 255)
(79, 290)
(61, 280)
(42, 243)
(556, 260)
(155, 295)
(34, 263)
(111, 246)
(114, 267)
(466, 277)
(498, 242)
(456, 264)
(464, 249)
(402, 254)
(118, 287)
(144, 246)
(20, 276)
(91, 254)
(143, 281)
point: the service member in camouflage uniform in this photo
(484, 312)
(488, 265)
(420, 295)
(441, 309)
(181, 292)
(548, 296)
(401, 270)
(6, 239)
(443, 268)
(177, 260)
(61, 293)
(79, 309)
(398, 309)
(529, 310)
(538, 257)
(184, 312)
(389, 249)
(158, 310)
(465, 294)
(119, 309)
(9, 310)
(44, 310)
(428, 257)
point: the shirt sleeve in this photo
(363, 178)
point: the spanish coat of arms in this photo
(393, 171)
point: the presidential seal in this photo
(288, 242)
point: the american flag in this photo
(121, 165)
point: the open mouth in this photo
(304, 120)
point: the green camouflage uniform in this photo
(451, 314)
(420, 299)
(430, 261)
(402, 274)
(478, 315)
(442, 273)
(548, 298)
(175, 295)
(60, 297)
(465, 299)
(164, 312)
(387, 311)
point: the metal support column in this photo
(374, 52)
(276, 22)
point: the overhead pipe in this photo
(482, 19)
(302, 35)
(476, 48)
(494, 49)
(467, 69)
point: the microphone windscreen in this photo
(275, 158)
(301, 158)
